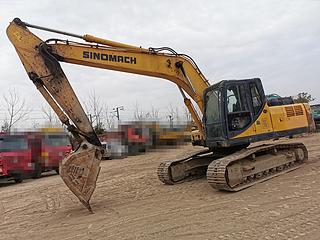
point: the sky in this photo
(277, 41)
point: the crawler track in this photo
(236, 171)
(189, 167)
(254, 165)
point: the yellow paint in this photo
(278, 118)
(44, 154)
(52, 130)
(18, 36)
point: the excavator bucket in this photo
(80, 171)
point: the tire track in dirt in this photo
(52, 203)
(2, 212)
(300, 224)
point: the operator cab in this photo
(231, 106)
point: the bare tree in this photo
(187, 115)
(173, 112)
(154, 113)
(109, 118)
(138, 113)
(95, 112)
(50, 114)
(35, 124)
(15, 108)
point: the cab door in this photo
(238, 110)
(248, 116)
(262, 118)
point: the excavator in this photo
(234, 113)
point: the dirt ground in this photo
(131, 203)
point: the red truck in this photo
(55, 146)
(24, 155)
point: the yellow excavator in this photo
(235, 113)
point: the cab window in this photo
(236, 99)
(238, 113)
(213, 99)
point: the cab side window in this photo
(238, 116)
(236, 99)
(256, 98)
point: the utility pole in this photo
(90, 118)
(170, 120)
(116, 110)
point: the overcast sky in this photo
(277, 41)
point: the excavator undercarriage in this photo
(234, 172)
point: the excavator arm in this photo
(41, 61)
